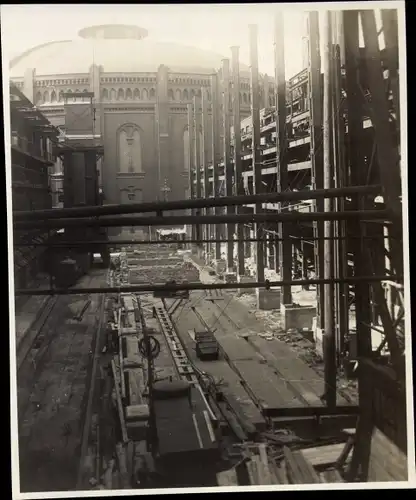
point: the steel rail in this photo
(74, 244)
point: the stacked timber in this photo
(255, 468)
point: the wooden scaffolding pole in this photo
(329, 349)
(215, 159)
(285, 250)
(204, 147)
(340, 247)
(255, 116)
(191, 159)
(315, 106)
(238, 177)
(197, 157)
(228, 167)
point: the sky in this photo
(207, 26)
(214, 27)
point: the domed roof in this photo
(118, 49)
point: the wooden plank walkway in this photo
(186, 321)
(290, 370)
(262, 380)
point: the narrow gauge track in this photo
(223, 314)
(51, 391)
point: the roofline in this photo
(18, 58)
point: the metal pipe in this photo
(195, 286)
(228, 167)
(285, 250)
(256, 162)
(71, 243)
(238, 177)
(329, 348)
(165, 206)
(179, 220)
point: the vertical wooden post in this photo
(330, 371)
(285, 252)
(197, 159)
(315, 107)
(255, 116)
(391, 39)
(205, 163)
(228, 168)
(355, 103)
(340, 251)
(215, 158)
(387, 154)
(238, 180)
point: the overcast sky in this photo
(213, 27)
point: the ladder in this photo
(183, 366)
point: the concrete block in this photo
(246, 279)
(137, 412)
(268, 300)
(220, 266)
(297, 317)
(230, 277)
(318, 337)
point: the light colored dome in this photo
(118, 49)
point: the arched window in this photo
(152, 94)
(129, 149)
(53, 96)
(185, 95)
(198, 93)
(46, 96)
(61, 96)
(245, 100)
(192, 93)
(209, 96)
(145, 95)
(113, 95)
(38, 99)
(105, 95)
(170, 95)
(120, 95)
(136, 94)
(129, 95)
(178, 96)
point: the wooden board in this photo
(299, 470)
(135, 386)
(270, 390)
(233, 391)
(323, 455)
(330, 476)
(227, 478)
(387, 461)
(236, 348)
(297, 373)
